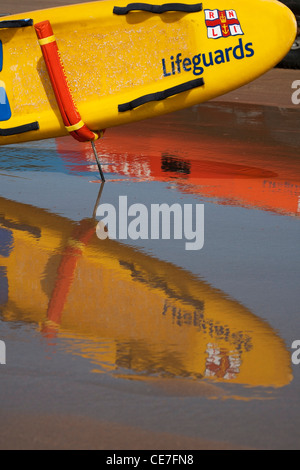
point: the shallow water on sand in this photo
(145, 333)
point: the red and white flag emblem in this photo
(222, 23)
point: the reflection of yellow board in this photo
(127, 310)
(114, 57)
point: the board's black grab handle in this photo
(182, 7)
(161, 95)
(16, 23)
(33, 126)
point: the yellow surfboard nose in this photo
(284, 27)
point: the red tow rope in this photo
(68, 109)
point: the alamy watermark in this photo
(296, 354)
(3, 97)
(296, 94)
(160, 222)
(2, 353)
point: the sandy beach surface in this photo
(47, 432)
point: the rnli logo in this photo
(221, 24)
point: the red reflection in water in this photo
(239, 155)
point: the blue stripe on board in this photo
(1, 56)
(6, 242)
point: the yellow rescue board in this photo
(112, 60)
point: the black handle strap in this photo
(182, 7)
(33, 126)
(16, 23)
(161, 95)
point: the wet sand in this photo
(59, 432)
(38, 431)
(272, 89)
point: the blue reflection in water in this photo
(6, 243)
(39, 156)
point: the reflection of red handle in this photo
(65, 275)
(70, 115)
